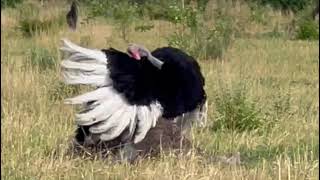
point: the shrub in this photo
(257, 14)
(41, 59)
(143, 28)
(202, 4)
(235, 111)
(293, 5)
(155, 9)
(10, 3)
(308, 30)
(160, 9)
(31, 26)
(123, 12)
(198, 39)
(31, 23)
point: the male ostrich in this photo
(133, 90)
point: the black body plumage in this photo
(180, 87)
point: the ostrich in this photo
(133, 91)
(72, 16)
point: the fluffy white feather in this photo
(147, 118)
(81, 78)
(100, 112)
(156, 112)
(118, 125)
(84, 66)
(111, 123)
(96, 95)
(128, 134)
(79, 53)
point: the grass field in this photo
(276, 79)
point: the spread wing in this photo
(106, 110)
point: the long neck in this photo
(155, 61)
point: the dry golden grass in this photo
(34, 126)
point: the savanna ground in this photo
(268, 84)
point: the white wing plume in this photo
(84, 66)
(144, 115)
(109, 114)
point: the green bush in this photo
(159, 9)
(198, 39)
(122, 12)
(31, 26)
(10, 3)
(40, 59)
(154, 9)
(31, 23)
(144, 27)
(308, 30)
(258, 14)
(235, 111)
(125, 14)
(293, 5)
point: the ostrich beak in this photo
(135, 55)
(133, 52)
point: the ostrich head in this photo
(138, 51)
